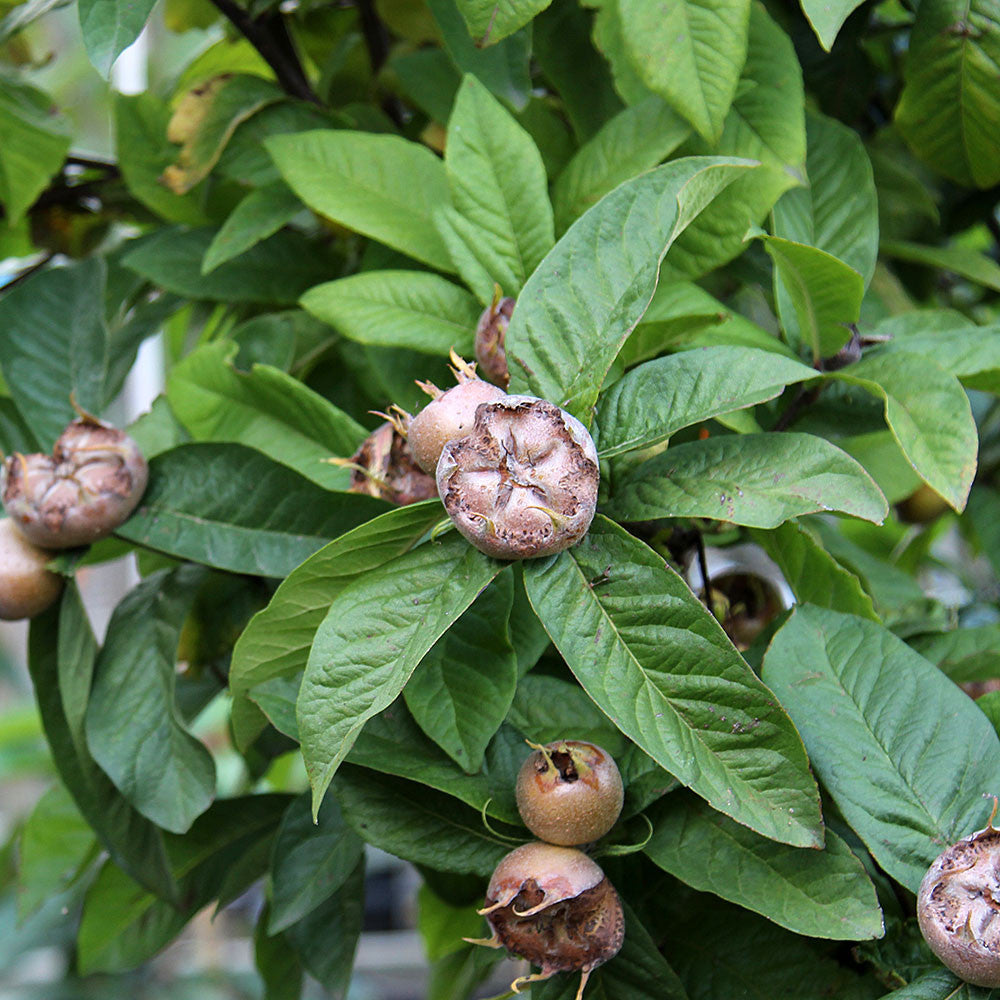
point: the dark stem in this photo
(804, 398)
(377, 42)
(269, 36)
(703, 566)
(28, 272)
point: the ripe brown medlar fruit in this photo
(27, 588)
(569, 792)
(524, 482)
(384, 466)
(449, 414)
(958, 907)
(79, 494)
(491, 333)
(554, 907)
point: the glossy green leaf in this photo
(251, 515)
(657, 399)
(817, 893)
(416, 823)
(109, 27)
(828, 17)
(498, 189)
(376, 632)
(759, 480)
(311, 861)
(825, 293)
(929, 415)
(382, 186)
(765, 123)
(949, 106)
(33, 145)
(963, 261)
(635, 140)
(412, 309)
(490, 21)
(690, 52)
(463, 687)
(263, 409)
(134, 729)
(259, 215)
(590, 291)
(908, 780)
(659, 665)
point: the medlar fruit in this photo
(523, 483)
(569, 792)
(922, 506)
(79, 494)
(27, 588)
(554, 907)
(384, 467)
(449, 415)
(958, 907)
(491, 332)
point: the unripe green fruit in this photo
(569, 792)
(958, 904)
(27, 588)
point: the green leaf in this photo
(949, 106)
(259, 215)
(412, 309)
(905, 754)
(109, 27)
(134, 729)
(828, 17)
(690, 52)
(813, 574)
(276, 270)
(33, 145)
(462, 689)
(382, 186)
(276, 961)
(311, 861)
(491, 20)
(498, 186)
(416, 823)
(590, 291)
(940, 985)
(251, 515)
(635, 140)
(759, 480)
(824, 292)
(929, 415)
(377, 630)
(56, 844)
(685, 697)
(20, 16)
(817, 893)
(265, 409)
(960, 260)
(766, 123)
(276, 642)
(657, 399)
(964, 654)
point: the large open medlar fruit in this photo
(554, 907)
(524, 482)
(569, 792)
(79, 494)
(27, 588)
(958, 907)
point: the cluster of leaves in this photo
(314, 212)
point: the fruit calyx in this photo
(491, 335)
(384, 466)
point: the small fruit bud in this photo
(958, 904)
(524, 482)
(491, 333)
(90, 484)
(554, 907)
(449, 414)
(569, 792)
(384, 467)
(27, 588)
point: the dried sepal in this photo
(383, 466)
(491, 336)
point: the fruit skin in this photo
(384, 466)
(922, 506)
(523, 484)
(90, 485)
(569, 792)
(27, 588)
(957, 907)
(491, 333)
(556, 908)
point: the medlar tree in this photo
(740, 257)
